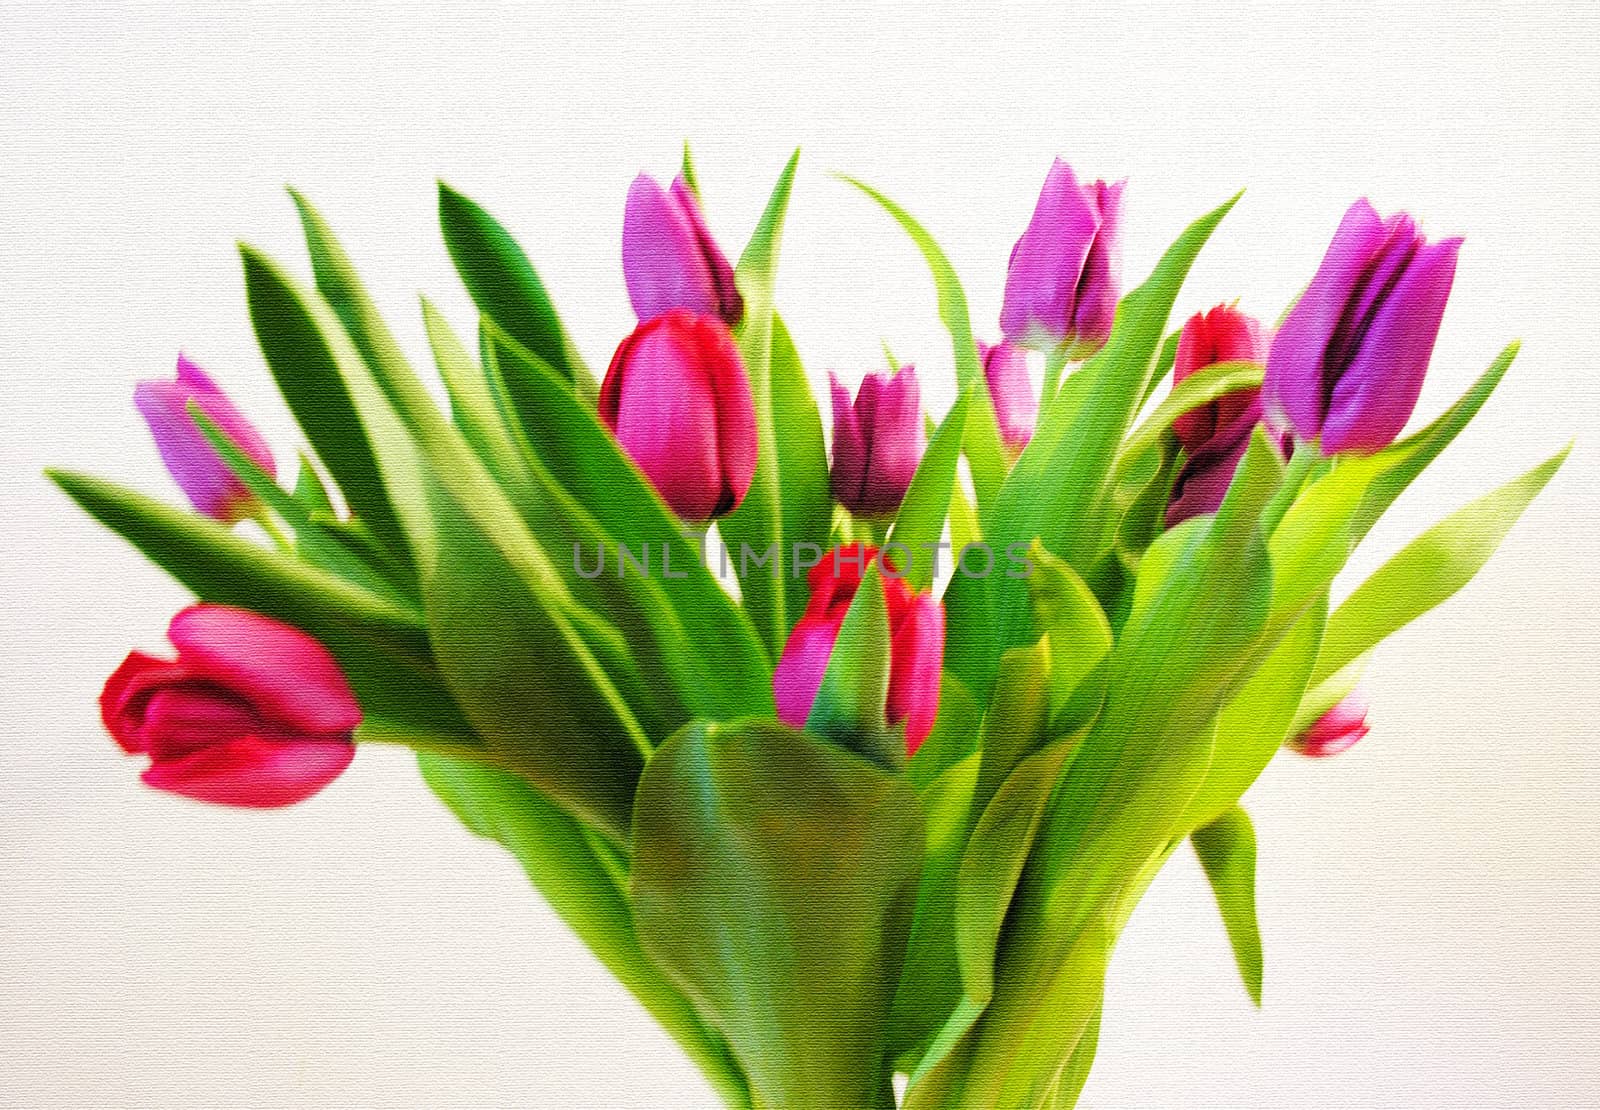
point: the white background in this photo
(1429, 901)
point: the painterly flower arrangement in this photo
(848, 765)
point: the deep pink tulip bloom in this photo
(197, 468)
(916, 645)
(1214, 437)
(1337, 729)
(669, 259)
(877, 441)
(1065, 272)
(1016, 404)
(678, 401)
(252, 712)
(1347, 365)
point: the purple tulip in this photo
(677, 399)
(251, 713)
(877, 442)
(916, 645)
(669, 259)
(1016, 405)
(194, 464)
(1348, 362)
(1214, 436)
(1337, 729)
(1065, 272)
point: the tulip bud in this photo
(669, 259)
(677, 399)
(1065, 272)
(916, 645)
(251, 713)
(1337, 729)
(1214, 436)
(1016, 405)
(193, 463)
(877, 441)
(1347, 364)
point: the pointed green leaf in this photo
(919, 524)
(1227, 851)
(803, 483)
(849, 706)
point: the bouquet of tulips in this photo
(850, 768)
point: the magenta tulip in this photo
(1347, 365)
(877, 441)
(669, 259)
(678, 401)
(194, 464)
(1337, 729)
(1016, 404)
(1214, 437)
(916, 645)
(252, 712)
(1065, 272)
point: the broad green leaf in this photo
(1077, 636)
(360, 450)
(1076, 1073)
(503, 284)
(581, 455)
(1017, 718)
(964, 528)
(986, 455)
(803, 483)
(758, 521)
(919, 524)
(1227, 851)
(773, 879)
(557, 856)
(1428, 570)
(849, 707)
(472, 402)
(954, 736)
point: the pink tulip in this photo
(1016, 404)
(194, 464)
(1337, 729)
(252, 712)
(1214, 437)
(1065, 273)
(877, 441)
(916, 645)
(678, 401)
(669, 259)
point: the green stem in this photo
(1300, 463)
(269, 525)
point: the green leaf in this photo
(849, 706)
(363, 451)
(1018, 716)
(1077, 636)
(773, 880)
(1227, 851)
(1076, 1072)
(758, 521)
(1428, 570)
(503, 284)
(986, 454)
(557, 856)
(472, 402)
(804, 490)
(1200, 388)
(954, 736)
(688, 171)
(919, 524)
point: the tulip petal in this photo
(255, 772)
(126, 692)
(849, 470)
(1095, 298)
(1016, 404)
(288, 676)
(1377, 392)
(916, 661)
(1295, 388)
(730, 305)
(1048, 261)
(662, 263)
(184, 717)
(800, 670)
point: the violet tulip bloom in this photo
(877, 441)
(669, 259)
(193, 463)
(916, 645)
(1347, 365)
(1214, 437)
(677, 399)
(1337, 729)
(251, 713)
(1065, 272)
(1016, 404)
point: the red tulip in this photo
(916, 645)
(1214, 436)
(252, 712)
(1337, 729)
(678, 401)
